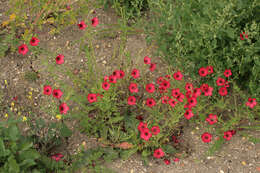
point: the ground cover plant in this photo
(129, 108)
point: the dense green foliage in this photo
(193, 34)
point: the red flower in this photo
(233, 132)
(251, 102)
(68, 7)
(203, 71)
(135, 73)
(57, 157)
(241, 37)
(139, 117)
(178, 75)
(188, 87)
(105, 85)
(34, 41)
(227, 135)
(152, 66)
(175, 92)
(172, 103)
(180, 97)
(196, 92)
(131, 100)
(192, 102)
(145, 134)
(82, 25)
(162, 89)
(158, 153)
(141, 126)
(63, 108)
(155, 130)
(206, 137)
(92, 98)
(212, 119)
(227, 73)
(159, 80)
(94, 21)
(57, 93)
(112, 79)
(206, 89)
(166, 84)
(222, 91)
(176, 159)
(60, 59)
(23, 49)
(188, 114)
(168, 76)
(210, 69)
(150, 88)
(147, 60)
(150, 102)
(47, 90)
(188, 94)
(174, 139)
(106, 78)
(164, 99)
(167, 161)
(116, 73)
(133, 88)
(220, 81)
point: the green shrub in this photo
(194, 34)
(130, 8)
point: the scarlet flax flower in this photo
(220, 81)
(222, 91)
(135, 73)
(188, 114)
(92, 98)
(227, 135)
(188, 87)
(47, 90)
(133, 88)
(34, 41)
(227, 73)
(63, 108)
(147, 60)
(172, 102)
(178, 75)
(82, 25)
(112, 79)
(212, 119)
(164, 99)
(251, 102)
(57, 157)
(105, 85)
(150, 102)
(155, 130)
(210, 69)
(23, 49)
(175, 92)
(60, 59)
(57, 93)
(203, 71)
(131, 100)
(94, 21)
(158, 153)
(152, 67)
(206, 137)
(141, 126)
(167, 161)
(145, 134)
(150, 88)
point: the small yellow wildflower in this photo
(6, 83)
(58, 116)
(12, 17)
(5, 23)
(19, 113)
(6, 115)
(12, 104)
(24, 118)
(30, 93)
(30, 97)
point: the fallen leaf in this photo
(124, 145)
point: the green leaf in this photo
(13, 133)
(27, 163)
(12, 165)
(25, 146)
(169, 149)
(65, 131)
(116, 119)
(125, 154)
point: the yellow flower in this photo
(24, 118)
(4, 24)
(58, 116)
(19, 113)
(12, 17)
(6, 82)
(30, 97)
(6, 115)
(12, 104)
(30, 93)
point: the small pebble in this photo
(221, 171)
